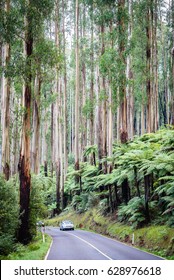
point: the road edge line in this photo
(91, 246)
(128, 245)
(46, 256)
(133, 246)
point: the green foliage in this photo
(42, 196)
(88, 108)
(10, 24)
(79, 202)
(106, 179)
(108, 63)
(7, 243)
(166, 199)
(90, 149)
(84, 201)
(71, 159)
(90, 171)
(36, 12)
(36, 250)
(103, 206)
(134, 212)
(45, 55)
(149, 156)
(9, 214)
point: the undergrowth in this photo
(36, 250)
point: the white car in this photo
(66, 225)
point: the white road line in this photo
(124, 244)
(48, 250)
(91, 246)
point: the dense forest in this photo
(87, 111)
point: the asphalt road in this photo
(84, 245)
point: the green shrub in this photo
(9, 214)
(79, 202)
(166, 199)
(33, 247)
(37, 200)
(103, 206)
(93, 201)
(6, 243)
(134, 212)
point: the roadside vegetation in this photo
(42, 194)
(36, 250)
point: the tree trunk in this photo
(5, 118)
(99, 124)
(142, 118)
(104, 107)
(92, 84)
(125, 191)
(146, 197)
(84, 94)
(52, 141)
(44, 146)
(60, 134)
(1, 85)
(77, 94)
(148, 71)
(15, 135)
(45, 168)
(164, 93)
(65, 147)
(122, 81)
(58, 198)
(110, 124)
(129, 76)
(57, 117)
(110, 199)
(172, 72)
(156, 98)
(137, 182)
(24, 235)
(36, 127)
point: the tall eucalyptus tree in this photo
(77, 87)
(122, 71)
(172, 59)
(24, 160)
(34, 13)
(5, 99)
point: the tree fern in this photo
(166, 198)
(134, 212)
(90, 149)
(90, 171)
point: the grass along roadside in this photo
(155, 239)
(36, 250)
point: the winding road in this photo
(84, 245)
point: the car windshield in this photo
(67, 222)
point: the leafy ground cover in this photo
(36, 250)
